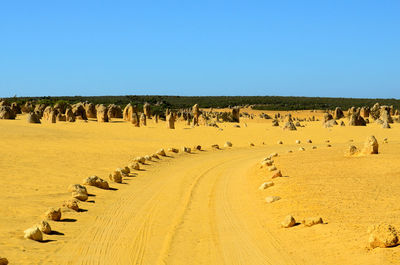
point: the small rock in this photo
(116, 176)
(382, 236)
(173, 150)
(186, 150)
(3, 261)
(271, 199)
(140, 159)
(228, 144)
(97, 182)
(80, 196)
(161, 152)
(135, 166)
(312, 221)
(266, 185)
(298, 142)
(353, 150)
(280, 142)
(289, 221)
(125, 171)
(267, 163)
(273, 168)
(77, 188)
(197, 147)
(71, 204)
(33, 233)
(273, 155)
(314, 147)
(53, 214)
(251, 144)
(309, 141)
(215, 146)
(44, 226)
(277, 174)
(148, 158)
(302, 149)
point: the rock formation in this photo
(79, 111)
(53, 214)
(7, 113)
(147, 110)
(236, 114)
(338, 113)
(143, 120)
(114, 111)
(33, 233)
(102, 113)
(33, 118)
(383, 236)
(371, 146)
(90, 110)
(170, 121)
(96, 182)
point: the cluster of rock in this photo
(288, 221)
(371, 147)
(64, 112)
(382, 115)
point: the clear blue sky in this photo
(300, 48)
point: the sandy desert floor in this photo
(199, 208)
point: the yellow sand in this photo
(201, 208)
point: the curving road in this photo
(193, 209)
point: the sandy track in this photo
(190, 210)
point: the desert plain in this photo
(202, 207)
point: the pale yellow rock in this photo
(140, 159)
(53, 214)
(310, 221)
(33, 233)
(228, 144)
(271, 199)
(125, 171)
(77, 188)
(266, 185)
(135, 166)
(44, 227)
(161, 152)
(173, 150)
(116, 176)
(80, 195)
(277, 174)
(383, 236)
(273, 168)
(352, 150)
(96, 182)
(371, 146)
(289, 221)
(71, 204)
